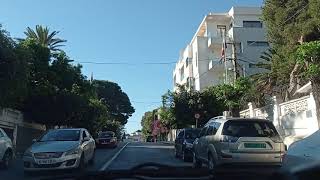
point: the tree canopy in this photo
(42, 81)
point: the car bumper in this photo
(108, 144)
(66, 162)
(251, 158)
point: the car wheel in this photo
(196, 163)
(184, 158)
(91, 161)
(211, 163)
(6, 160)
(176, 153)
(81, 163)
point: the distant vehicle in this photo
(238, 141)
(60, 149)
(184, 143)
(106, 139)
(6, 150)
(305, 152)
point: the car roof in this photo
(106, 132)
(223, 119)
(70, 129)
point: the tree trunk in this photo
(316, 94)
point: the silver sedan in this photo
(60, 149)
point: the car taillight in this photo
(231, 139)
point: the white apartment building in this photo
(201, 64)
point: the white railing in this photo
(294, 106)
(245, 113)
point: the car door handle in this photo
(306, 155)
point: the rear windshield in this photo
(192, 133)
(106, 134)
(249, 128)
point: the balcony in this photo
(214, 40)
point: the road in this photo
(126, 156)
(121, 158)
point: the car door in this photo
(201, 142)
(179, 142)
(2, 144)
(85, 146)
(91, 144)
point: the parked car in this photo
(305, 152)
(60, 149)
(237, 141)
(6, 149)
(106, 139)
(184, 143)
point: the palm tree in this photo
(42, 36)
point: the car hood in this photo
(53, 146)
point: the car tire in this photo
(81, 163)
(91, 161)
(176, 155)
(196, 163)
(211, 162)
(6, 160)
(183, 156)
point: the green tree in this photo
(290, 23)
(308, 54)
(44, 37)
(116, 101)
(13, 72)
(146, 123)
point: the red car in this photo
(106, 139)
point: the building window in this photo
(221, 30)
(257, 43)
(187, 62)
(182, 74)
(252, 24)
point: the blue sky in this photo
(132, 31)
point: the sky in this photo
(136, 32)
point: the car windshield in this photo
(61, 135)
(106, 134)
(249, 128)
(192, 134)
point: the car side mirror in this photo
(34, 140)
(86, 139)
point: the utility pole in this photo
(234, 62)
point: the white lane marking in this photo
(107, 164)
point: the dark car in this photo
(184, 143)
(106, 139)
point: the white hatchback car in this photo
(6, 150)
(60, 149)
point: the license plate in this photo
(255, 145)
(46, 161)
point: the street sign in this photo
(197, 116)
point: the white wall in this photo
(294, 119)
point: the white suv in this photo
(6, 150)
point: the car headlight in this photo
(113, 140)
(27, 153)
(73, 151)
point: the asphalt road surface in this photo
(127, 156)
(15, 172)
